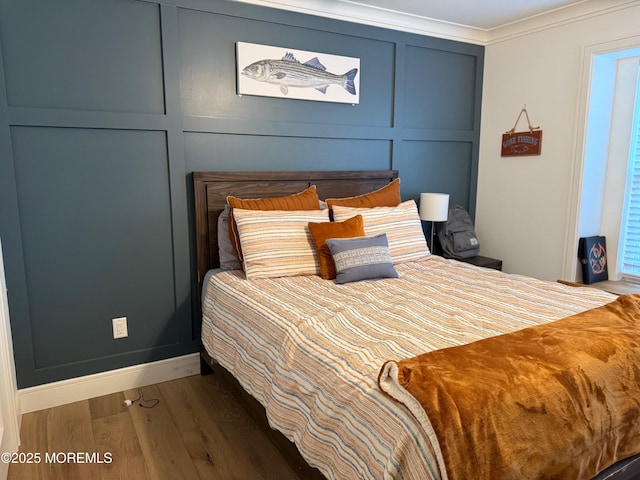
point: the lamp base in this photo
(431, 246)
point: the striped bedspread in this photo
(310, 351)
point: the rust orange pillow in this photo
(305, 200)
(321, 232)
(387, 196)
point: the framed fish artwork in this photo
(287, 73)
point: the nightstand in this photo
(481, 261)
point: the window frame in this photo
(629, 248)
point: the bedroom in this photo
(108, 119)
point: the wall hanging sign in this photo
(288, 73)
(517, 144)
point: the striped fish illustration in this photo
(289, 72)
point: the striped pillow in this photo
(402, 225)
(305, 200)
(277, 243)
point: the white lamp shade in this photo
(434, 207)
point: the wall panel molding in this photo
(85, 119)
(169, 102)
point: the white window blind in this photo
(630, 238)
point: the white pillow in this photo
(277, 243)
(402, 225)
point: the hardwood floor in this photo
(198, 430)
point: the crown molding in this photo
(378, 17)
(558, 18)
(351, 11)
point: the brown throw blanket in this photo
(554, 401)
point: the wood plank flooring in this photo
(198, 430)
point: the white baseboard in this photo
(82, 388)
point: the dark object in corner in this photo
(592, 252)
(457, 235)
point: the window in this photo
(630, 231)
(609, 200)
(606, 185)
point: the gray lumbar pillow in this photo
(361, 258)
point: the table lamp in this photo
(434, 207)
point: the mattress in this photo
(310, 350)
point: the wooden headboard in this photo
(211, 189)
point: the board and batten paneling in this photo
(106, 106)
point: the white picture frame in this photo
(289, 73)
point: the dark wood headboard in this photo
(212, 188)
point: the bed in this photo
(351, 428)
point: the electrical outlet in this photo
(120, 327)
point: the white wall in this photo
(524, 204)
(9, 418)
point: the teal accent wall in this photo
(106, 106)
